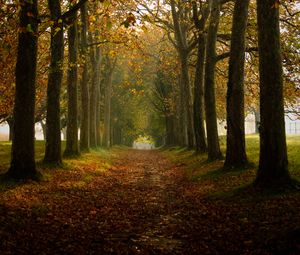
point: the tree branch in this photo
(227, 54)
(72, 11)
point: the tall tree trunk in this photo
(179, 137)
(117, 134)
(72, 148)
(10, 122)
(182, 115)
(95, 60)
(93, 99)
(257, 120)
(170, 137)
(187, 100)
(85, 118)
(236, 147)
(98, 117)
(43, 125)
(183, 47)
(53, 135)
(273, 162)
(199, 97)
(23, 163)
(107, 104)
(98, 99)
(213, 146)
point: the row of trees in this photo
(180, 57)
(88, 25)
(200, 33)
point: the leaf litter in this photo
(142, 203)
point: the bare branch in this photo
(70, 13)
(227, 54)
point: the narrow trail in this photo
(149, 193)
(143, 204)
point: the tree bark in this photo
(183, 48)
(10, 122)
(273, 162)
(182, 115)
(98, 99)
(43, 125)
(95, 56)
(213, 146)
(199, 97)
(187, 100)
(85, 118)
(23, 163)
(107, 104)
(170, 136)
(257, 120)
(53, 135)
(117, 134)
(236, 146)
(72, 148)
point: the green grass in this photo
(293, 147)
(199, 169)
(70, 163)
(5, 155)
(196, 165)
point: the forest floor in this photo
(145, 202)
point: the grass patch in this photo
(220, 173)
(230, 183)
(76, 172)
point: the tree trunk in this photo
(98, 99)
(213, 146)
(187, 100)
(117, 134)
(236, 147)
(199, 97)
(170, 137)
(182, 116)
(53, 136)
(72, 148)
(43, 125)
(257, 120)
(107, 105)
(85, 118)
(186, 128)
(23, 162)
(10, 122)
(93, 99)
(95, 60)
(273, 162)
(177, 116)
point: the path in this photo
(142, 205)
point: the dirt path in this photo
(142, 205)
(147, 190)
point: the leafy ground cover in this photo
(125, 201)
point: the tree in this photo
(213, 145)
(95, 58)
(184, 47)
(199, 79)
(53, 136)
(23, 162)
(235, 121)
(273, 162)
(72, 148)
(109, 68)
(85, 113)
